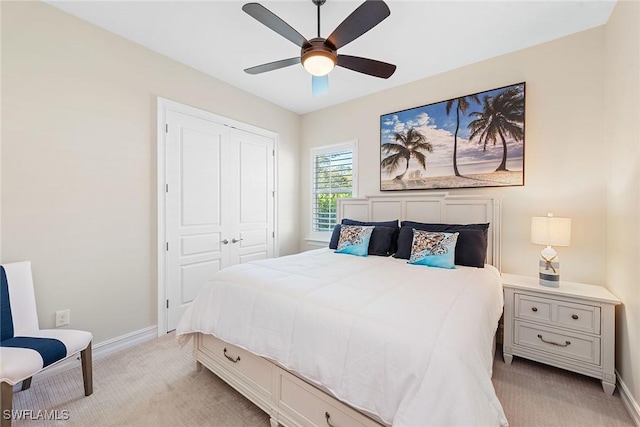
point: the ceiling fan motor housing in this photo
(319, 50)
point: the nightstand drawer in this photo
(579, 317)
(575, 316)
(533, 308)
(575, 346)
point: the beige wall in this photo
(622, 144)
(79, 163)
(582, 156)
(564, 170)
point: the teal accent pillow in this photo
(354, 240)
(435, 249)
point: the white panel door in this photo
(219, 204)
(195, 217)
(253, 198)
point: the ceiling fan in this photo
(319, 56)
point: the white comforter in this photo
(410, 344)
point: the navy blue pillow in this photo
(383, 239)
(393, 223)
(335, 237)
(471, 248)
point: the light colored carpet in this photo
(537, 395)
(155, 384)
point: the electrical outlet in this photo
(63, 317)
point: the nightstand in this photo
(570, 327)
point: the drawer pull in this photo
(566, 343)
(534, 309)
(237, 359)
(574, 316)
(327, 417)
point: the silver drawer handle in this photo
(234, 240)
(574, 316)
(236, 360)
(534, 309)
(566, 343)
(327, 416)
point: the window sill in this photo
(316, 242)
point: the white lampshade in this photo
(551, 231)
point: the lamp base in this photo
(549, 268)
(552, 283)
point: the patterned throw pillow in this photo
(435, 249)
(354, 240)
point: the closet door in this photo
(252, 197)
(194, 208)
(219, 204)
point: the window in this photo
(334, 177)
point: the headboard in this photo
(433, 208)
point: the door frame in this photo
(164, 105)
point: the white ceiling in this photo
(422, 38)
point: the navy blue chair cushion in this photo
(5, 308)
(50, 349)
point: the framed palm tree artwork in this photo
(471, 141)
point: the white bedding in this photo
(410, 344)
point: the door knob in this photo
(225, 241)
(234, 240)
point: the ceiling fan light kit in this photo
(319, 59)
(319, 56)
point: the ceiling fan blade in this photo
(272, 66)
(319, 85)
(271, 20)
(367, 66)
(365, 17)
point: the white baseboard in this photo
(629, 402)
(101, 350)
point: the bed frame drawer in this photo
(289, 400)
(306, 406)
(253, 368)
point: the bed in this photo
(332, 339)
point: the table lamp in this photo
(550, 231)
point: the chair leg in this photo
(7, 405)
(26, 384)
(87, 370)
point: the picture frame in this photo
(471, 141)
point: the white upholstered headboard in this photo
(432, 208)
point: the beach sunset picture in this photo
(471, 141)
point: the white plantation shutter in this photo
(333, 178)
